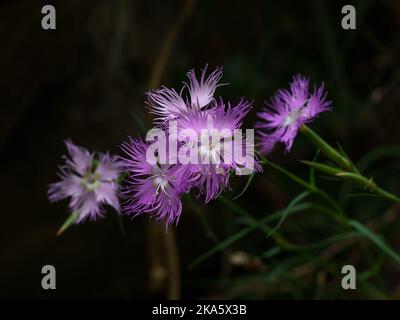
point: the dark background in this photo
(86, 81)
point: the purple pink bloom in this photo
(152, 189)
(288, 110)
(89, 183)
(156, 189)
(197, 112)
(213, 177)
(202, 92)
(168, 104)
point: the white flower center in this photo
(159, 180)
(292, 117)
(210, 149)
(90, 180)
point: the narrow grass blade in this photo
(290, 175)
(254, 224)
(288, 209)
(70, 220)
(326, 149)
(271, 252)
(221, 246)
(323, 167)
(312, 170)
(249, 180)
(376, 239)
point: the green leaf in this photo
(288, 209)
(249, 180)
(254, 224)
(358, 179)
(312, 170)
(209, 231)
(307, 186)
(271, 252)
(70, 221)
(376, 239)
(326, 149)
(221, 246)
(341, 150)
(290, 175)
(95, 163)
(122, 177)
(386, 194)
(234, 206)
(323, 167)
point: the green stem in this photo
(68, 222)
(287, 173)
(340, 218)
(278, 238)
(352, 173)
(327, 150)
(386, 194)
(354, 178)
(368, 184)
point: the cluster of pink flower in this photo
(155, 188)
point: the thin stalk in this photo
(287, 173)
(279, 239)
(70, 221)
(351, 172)
(327, 150)
(341, 215)
(341, 218)
(386, 194)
